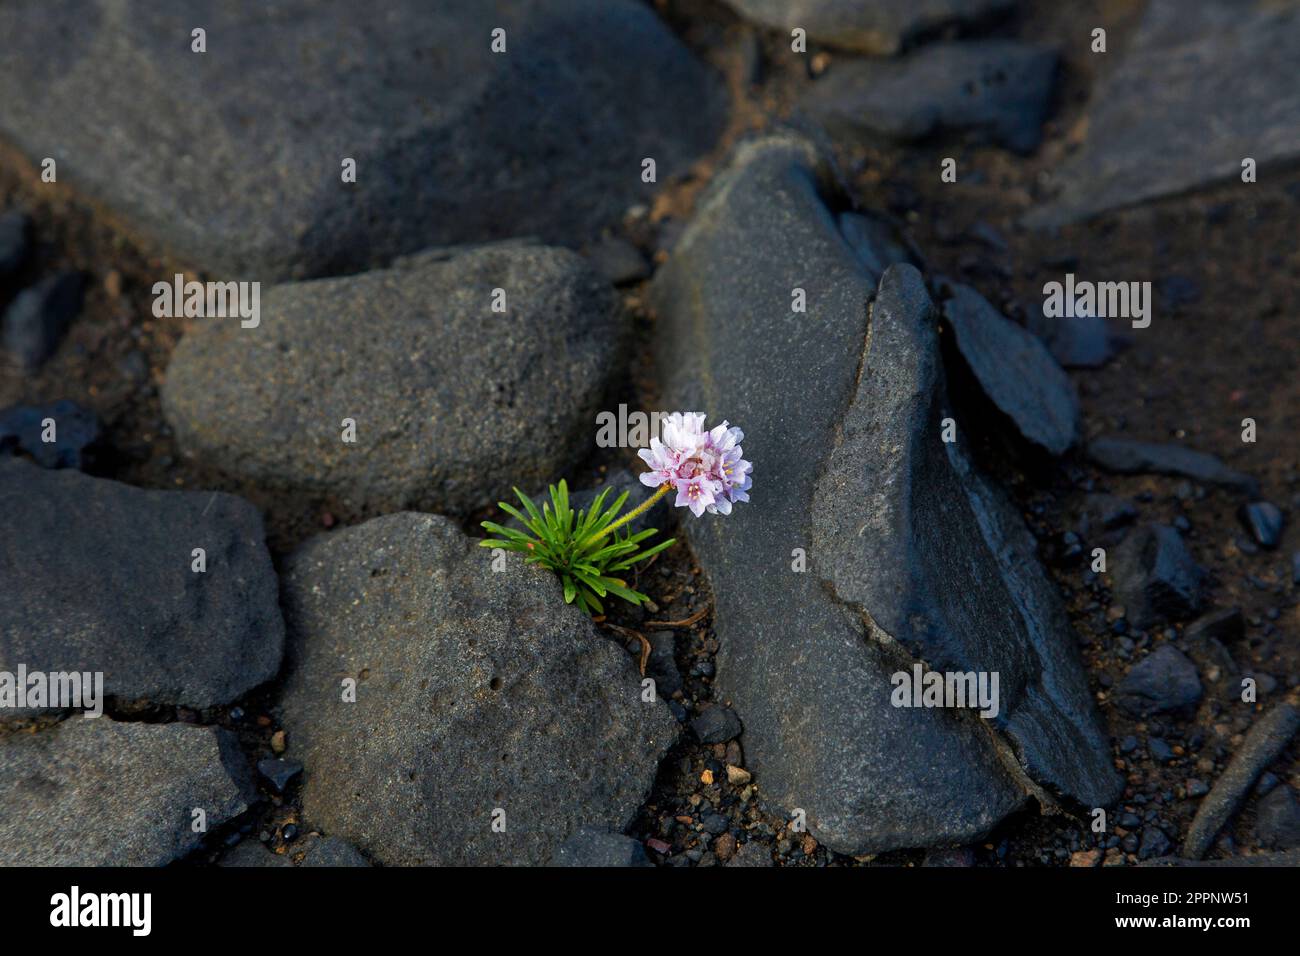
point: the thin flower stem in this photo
(638, 510)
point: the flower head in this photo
(704, 467)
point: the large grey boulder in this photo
(453, 402)
(910, 557)
(1202, 87)
(233, 158)
(870, 26)
(97, 576)
(94, 792)
(986, 90)
(478, 692)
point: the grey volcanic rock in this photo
(233, 158)
(1277, 819)
(877, 26)
(97, 576)
(1156, 578)
(1163, 680)
(93, 792)
(592, 847)
(453, 403)
(852, 471)
(989, 90)
(1015, 370)
(1128, 456)
(1202, 86)
(475, 690)
(331, 851)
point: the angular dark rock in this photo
(1015, 371)
(846, 474)
(661, 664)
(34, 323)
(1155, 577)
(279, 772)
(94, 792)
(476, 691)
(1277, 819)
(98, 576)
(234, 158)
(878, 27)
(1202, 87)
(392, 351)
(76, 429)
(331, 851)
(1127, 456)
(987, 90)
(1264, 521)
(716, 725)
(593, 847)
(1163, 680)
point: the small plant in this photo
(588, 549)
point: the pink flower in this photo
(704, 467)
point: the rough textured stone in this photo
(330, 851)
(1155, 577)
(1202, 86)
(1128, 456)
(716, 725)
(1015, 370)
(453, 403)
(93, 792)
(1277, 819)
(880, 26)
(97, 576)
(476, 690)
(233, 157)
(813, 689)
(592, 847)
(988, 90)
(1163, 680)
